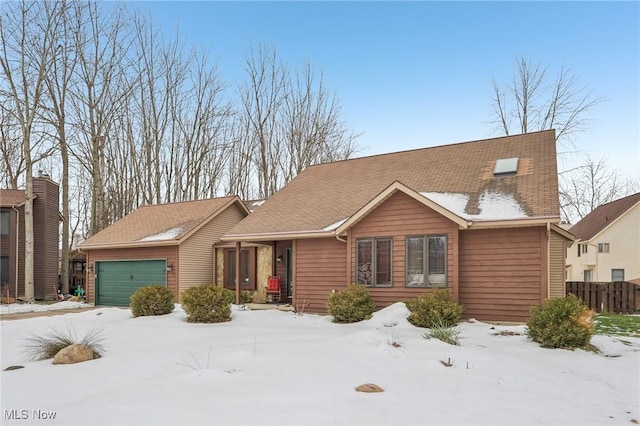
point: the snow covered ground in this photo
(15, 308)
(276, 368)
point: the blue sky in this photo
(416, 74)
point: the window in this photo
(617, 275)
(247, 269)
(603, 247)
(4, 222)
(427, 253)
(4, 270)
(373, 261)
(588, 275)
(582, 248)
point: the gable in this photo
(402, 211)
(624, 226)
(603, 216)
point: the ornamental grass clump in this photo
(351, 304)
(561, 323)
(152, 300)
(47, 345)
(434, 309)
(207, 304)
(444, 333)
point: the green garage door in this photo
(118, 280)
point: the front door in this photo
(288, 265)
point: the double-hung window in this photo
(427, 261)
(373, 261)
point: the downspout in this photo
(238, 252)
(340, 239)
(548, 260)
(17, 248)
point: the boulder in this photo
(369, 388)
(73, 354)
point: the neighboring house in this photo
(165, 244)
(46, 224)
(479, 218)
(607, 243)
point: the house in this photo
(607, 243)
(165, 244)
(46, 224)
(479, 218)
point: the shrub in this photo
(434, 309)
(229, 296)
(207, 303)
(46, 346)
(152, 300)
(561, 323)
(351, 304)
(246, 296)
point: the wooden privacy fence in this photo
(620, 297)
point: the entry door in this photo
(288, 265)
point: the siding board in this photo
(196, 252)
(493, 284)
(557, 253)
(320, 267)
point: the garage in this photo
(116, 281)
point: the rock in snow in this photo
(73, 354)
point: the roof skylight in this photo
(506, 166)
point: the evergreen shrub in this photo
(207, 304)
(561, 323)
(351, 304)
(152, 300)
(434, 309)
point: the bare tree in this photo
(28, 50)
(289, 122)
(102, 45)
(261, 98)
(588, 186)
(58, 79)
(533, 100)
(12, 167)
(312, 129)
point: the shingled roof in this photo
(603, 216)
(12, 197)
(159, 224)
(458, 176)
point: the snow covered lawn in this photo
(276, 368)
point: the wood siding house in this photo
(46, 225)
(478, 218)
(607, 245)
(166, 244)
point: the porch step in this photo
(267, 306)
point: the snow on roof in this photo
(492, 205)
(169, 234)
(335, 225)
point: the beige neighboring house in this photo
(607, 246)
(164, 244)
